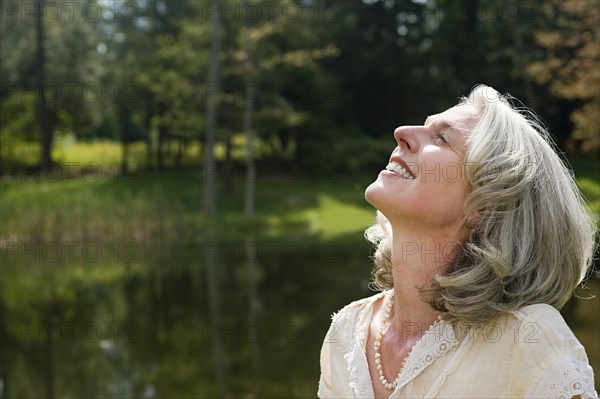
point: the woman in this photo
(482, 236)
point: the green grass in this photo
(97, 205)
(171, 202)
(105, 154)
(587, 173)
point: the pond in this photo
(184, 317)
(208, 318)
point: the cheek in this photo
(441, 170)
(453, 173)
(453, 200)
(444, 190)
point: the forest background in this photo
(181, 203)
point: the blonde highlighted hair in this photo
(533, 238)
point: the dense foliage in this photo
(330, 77)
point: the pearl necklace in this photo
(377, 344)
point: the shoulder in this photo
(535, 332)
(548, 329)
(355, 308)
(547, 359)
(540, 312)
(351, 320)
(339, 345)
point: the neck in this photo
(417, 256)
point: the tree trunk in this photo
(124, 126)
(45, 130)
(253, 299)
(159, 150)
(179, 154)
(228, 167)
(472, 58)
(125, 158)
(162, 134)
(209, 168)
(149, 163)
(248, 116)
(218, 352)
(519, 33)
(7, 348)
(148, 138)
(49, 360)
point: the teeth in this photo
(396, 167)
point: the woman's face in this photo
(424, 182)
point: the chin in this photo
(384, 201)
(377, 195)
(371, 192)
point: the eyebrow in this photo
(444, 124)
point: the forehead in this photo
(461, 118)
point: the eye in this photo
(440, 136)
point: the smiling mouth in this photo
(396, 167)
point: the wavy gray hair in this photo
(533, 238)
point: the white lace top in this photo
(530, 353)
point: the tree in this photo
(248, 115)
(570, 66)
(45, 130)
(51, 75)
(209, 203)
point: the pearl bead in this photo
(377, 345)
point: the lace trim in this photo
(360, 380)
(569, 386)
(356, 359)
(566, 378)
(432, 346)
(436, 343)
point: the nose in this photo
(406, 137)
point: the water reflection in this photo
(185, 317)
(215, 320)
(181, 318)
(253, 300)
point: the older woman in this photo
(482, 236)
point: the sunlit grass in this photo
(591, 190)
(99, 204)
(138, 206)
(107, 155)
(333, 217)
(102, 152)
(587, 173)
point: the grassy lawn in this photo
(99, 205)
(587, 173)
(328, 206)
